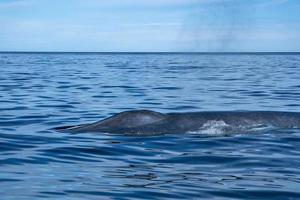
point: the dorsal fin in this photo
(132, 118)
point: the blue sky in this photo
(149, 25)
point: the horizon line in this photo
(160, 52)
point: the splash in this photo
(219, 128)
(213, 128)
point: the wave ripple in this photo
(41, 91)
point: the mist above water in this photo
(217, 26)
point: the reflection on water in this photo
(42, 91)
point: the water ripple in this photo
(42, 91)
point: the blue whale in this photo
(147, 122)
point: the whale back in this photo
(129, 119)
(150, 122)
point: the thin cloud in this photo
(150, 3)
(16, 3)
(272, 3)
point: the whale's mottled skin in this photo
(149, 122)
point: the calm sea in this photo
(39, 91)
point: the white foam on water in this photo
(213, 127)
(216, 128)
(261, 128)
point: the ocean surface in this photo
(40, 91)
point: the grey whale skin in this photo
(148, 122)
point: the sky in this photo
(150, 25)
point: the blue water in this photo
(39, 91)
